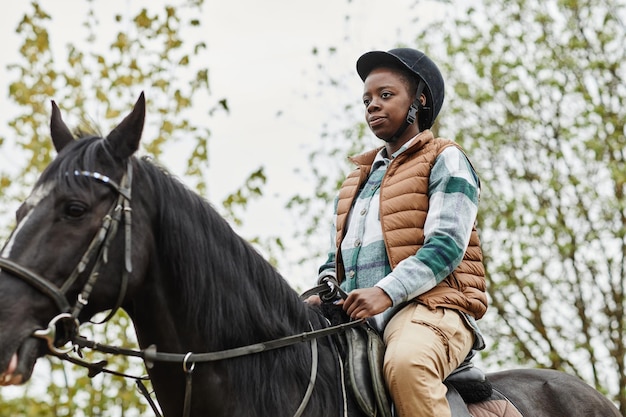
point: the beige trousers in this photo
(423, 347)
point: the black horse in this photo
(189, 284)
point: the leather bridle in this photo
(68, 316)
(98, 247)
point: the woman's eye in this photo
(75, 210)
(385, 95)
(366, 102)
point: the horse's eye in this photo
(75, 210)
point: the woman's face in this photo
(387, 101)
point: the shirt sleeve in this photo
(453, 191)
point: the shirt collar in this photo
(381, 156)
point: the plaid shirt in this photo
(453, 192)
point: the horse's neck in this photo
(157, 322)
(217, 280)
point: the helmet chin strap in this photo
(411, 116)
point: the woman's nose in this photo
(372, 106)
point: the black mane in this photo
(213, 264)
(236, 298)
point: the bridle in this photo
(68, 320)
(99, 246)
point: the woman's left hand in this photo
(366, 302)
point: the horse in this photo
(105, 229)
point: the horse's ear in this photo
(61, 135)
(125, 137)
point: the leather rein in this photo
(67, 320)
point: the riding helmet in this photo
(417, 63)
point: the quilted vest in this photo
(403, 210)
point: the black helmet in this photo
(417, 63)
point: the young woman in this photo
(406, 247)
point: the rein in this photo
(151, 355)
(327, 289)
(188, 360)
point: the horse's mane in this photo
(214, 265)
(84, 154)
(236, 297)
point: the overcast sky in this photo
(261, 61)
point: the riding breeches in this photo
(423, 347)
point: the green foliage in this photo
(251, 189)
(105, 81)
(535, 94)
(32, 88)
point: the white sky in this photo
(261, 62)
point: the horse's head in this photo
(69, 255)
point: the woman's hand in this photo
(366, 302)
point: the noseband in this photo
(99, 247)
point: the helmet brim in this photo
(374, 59)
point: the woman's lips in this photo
(376, 121)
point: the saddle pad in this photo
(496, 406)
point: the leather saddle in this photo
(362, 350)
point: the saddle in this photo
(365, 351)
(362, 350)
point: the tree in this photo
(87, 82)
(535, 93)
(538, 99)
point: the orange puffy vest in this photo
(403, 210)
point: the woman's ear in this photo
(423, 99)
